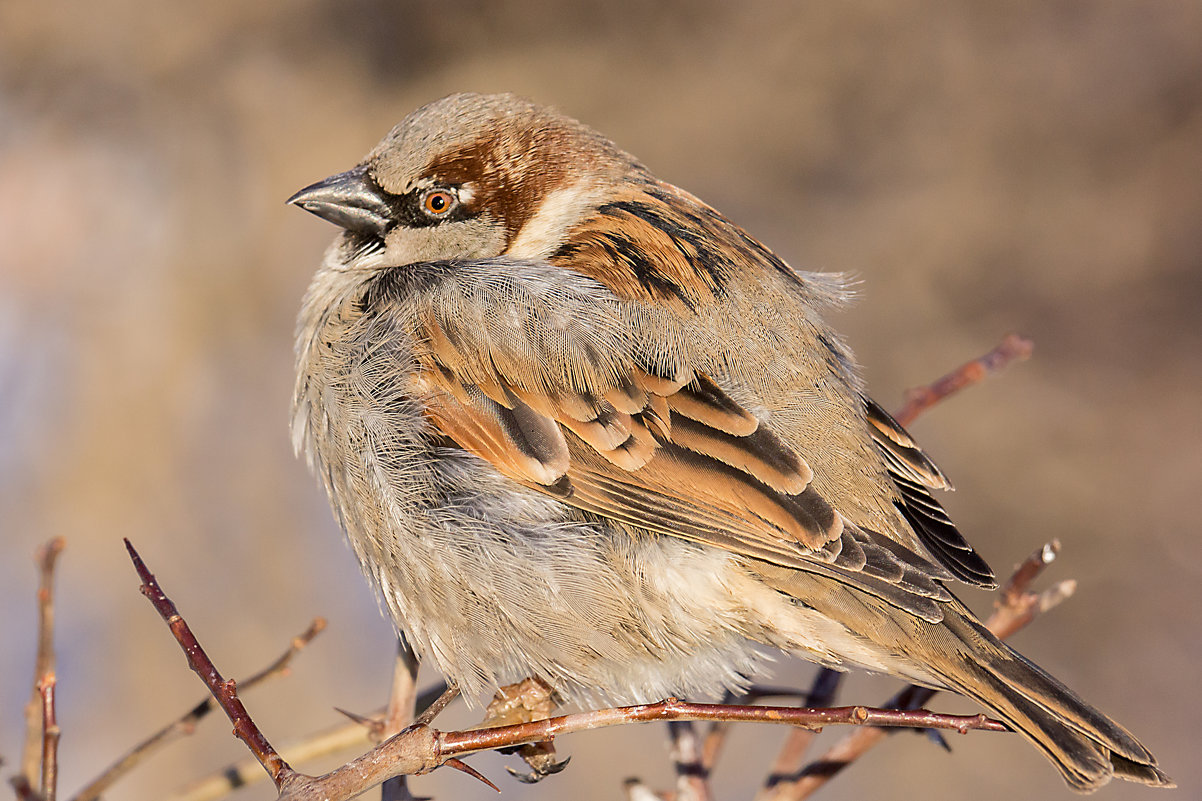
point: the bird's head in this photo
(470, 177)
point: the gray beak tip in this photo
(349, 199)
(298, 197)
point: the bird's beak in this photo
(349, 199)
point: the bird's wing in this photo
(915, 475)
(564, 389)
(657, 243)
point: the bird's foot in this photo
(524, 702)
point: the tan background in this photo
(1037, 168)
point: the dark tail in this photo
(1086, 746)
(960, 654)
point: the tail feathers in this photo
(1140, 772)
(1086, 746)
(958, 653)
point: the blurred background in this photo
(1034, 166)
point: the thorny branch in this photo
(186, 723)
(223, 690)
(715, 737)
(219, 784)
(354, 734)
(421, 749)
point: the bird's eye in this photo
(438, 202)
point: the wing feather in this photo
(568, 398)
(915, 475)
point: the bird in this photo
(579, 427)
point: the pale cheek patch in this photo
(478, 238)
(557, 215)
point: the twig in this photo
(1012, 348)
(44, 665)
(400, 712)
(50, 737)
(789, 760)
(403, 698)
(221, 783)
(437, 705)
(692, 777)
(223, 690)
(415, 750)
(715, 737)
(466, 742)
(23, 789)
(1016, 607)
(334, 740)
(186, 723)
(420, 749)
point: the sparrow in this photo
(579, 427)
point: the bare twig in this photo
(713, 743)
(1012, 348)
(401, 702)
(223, 690)
(50, 737)
(219, 784)
(23, 789)
(789, 760)
(336, 739)
(437, 705)
(692, 777)
(466, 742)
(186, 723)
(715, 737)
(403, 697)
(1016, 607)
(420, 749)
(44, 665)
(415, 750)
